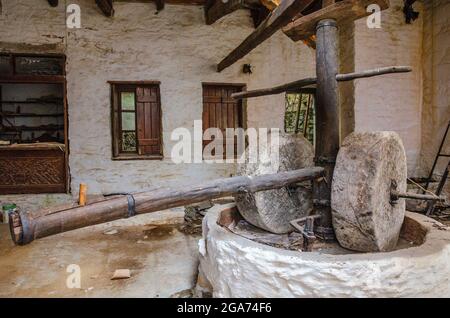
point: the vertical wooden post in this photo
(327, 119)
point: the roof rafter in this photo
(278, 18)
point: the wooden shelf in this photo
(36, 128)
(30, 115)
(31, 102)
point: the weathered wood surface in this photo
(219, 9)
(327, 120)
(279, 17)
(312, 81)
(25, 228)
(106, 6)
(346, 10)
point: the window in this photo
(300, 115)
(136, 120)
(222, 111)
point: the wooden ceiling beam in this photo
(343, 11)
(280, 17)
(106, 6)
(181, 2)
(218, 9)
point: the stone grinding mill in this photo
(357, 187)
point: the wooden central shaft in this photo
(327, 120)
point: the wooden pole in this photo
(26, 228)
(327, 121)
(312, 81)
(278, 18)
(297, 117)
(305, 119)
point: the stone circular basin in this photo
(234, 266)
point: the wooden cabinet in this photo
(32, 168)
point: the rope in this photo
(422, 188)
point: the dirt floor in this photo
(161, 255)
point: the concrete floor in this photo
(162, 259)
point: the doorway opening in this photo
(33, 124)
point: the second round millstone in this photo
(273, 210)
(367, 164)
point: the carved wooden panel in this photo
(32, 171)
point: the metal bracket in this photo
(307, 230)
(131, 206)
(324, 160)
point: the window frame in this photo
(117, 87)
(312, 93)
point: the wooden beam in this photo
(53, 3)
(342, 11)
(25, 228)
(159, 4)
(259, 14)
(312, 80)
(278, 18)
(180, 2)
(219, 9)
(106, 6)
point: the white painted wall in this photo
(178, 49)
(436, 90)
(391, 102)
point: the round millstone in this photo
(364, 219)
(272, 210)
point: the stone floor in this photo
(163, 260)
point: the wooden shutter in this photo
(220, 110)
(148, 112)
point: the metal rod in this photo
(395, 195)
(430, 205)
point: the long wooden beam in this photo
(180, 2)
(312, 80)
(25, 228)
(278, 18)
(220, 9)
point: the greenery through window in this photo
(298, 107)
(136, 120)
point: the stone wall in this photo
(174, 47)
(436, 80)
(178, 49)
